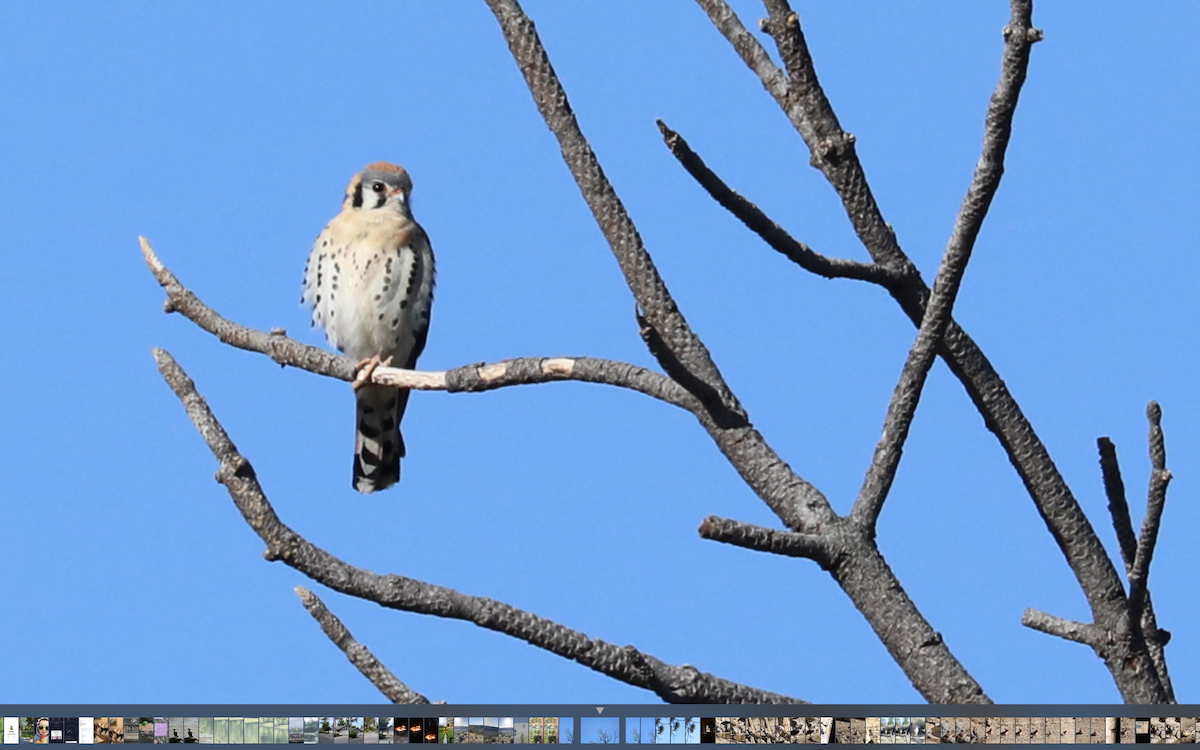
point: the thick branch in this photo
(997, 131)
(640, 272)
(359, 655)
(797, 503)
(683, 684)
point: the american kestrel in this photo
(369, 281)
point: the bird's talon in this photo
(366, 369)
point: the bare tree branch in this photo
(832, 150)
(683, 684)
(1155, 502)
(759, 223)
(359, 655)
(744, 446)
(814, 547)
(1079, 632)
(640, 272)
(997, 131)
(468, 378)
(1118, 506)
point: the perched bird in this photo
(369, 281)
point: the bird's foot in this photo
(366, 368)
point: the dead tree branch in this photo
(683, 684)
(986, 181)
(799, 95)
(359, 655)
(797, 503)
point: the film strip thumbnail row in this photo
(905, 730)
(270, 730)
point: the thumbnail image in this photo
(872, 725)
(132, 729)
(431, 730)
(917, 737)
(602, 730)
(400, 733)
(462, 729)
(221, 730)
(724, 730)
(236, 730)
(325, 729)
(354, 729)
(521, 730)
(266, 730)
(1037, 730)
(445, 730)
(71, 730)
(36, 730)
(1085, 730)
(841, 731)
(370, 730)
(56, 729)
(475, 730)
(116, 729)
(1187, 730)
(295, 729)
(206, 730)
(535, 730)
(312, 726)
(708, 730)
(160, 729)
(387, 726)
(1021, 731)
(87, 730)
(12, 730)
(281, 724)
(146, 729)
(550, 730)
(490, 730)
(1053, 730)
(250, 730)
(507, 733)
(175, 729)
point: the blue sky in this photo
(225, 133)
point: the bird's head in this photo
(379, 186)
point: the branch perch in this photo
(683, 684)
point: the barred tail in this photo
(378, 445)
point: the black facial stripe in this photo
(358, 196)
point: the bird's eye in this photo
(377, 187)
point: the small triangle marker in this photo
(599, 709)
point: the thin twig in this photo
(759, 223)
(761, 539)
(1019, 39)
(1155, 502)
(359, 655)
(1118, 505)
(683, 684)
(1079, 632)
